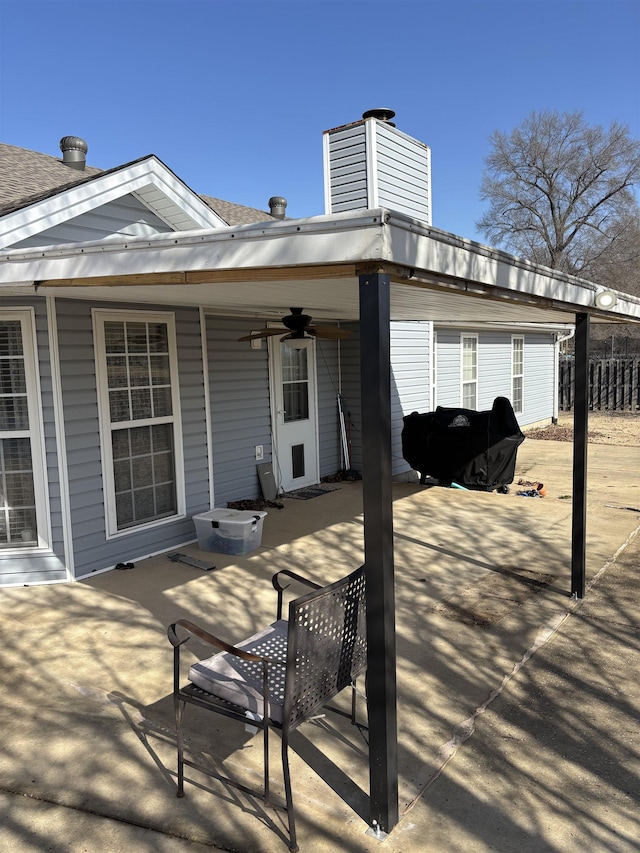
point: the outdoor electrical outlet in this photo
(259, 452)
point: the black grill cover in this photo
(474, 449)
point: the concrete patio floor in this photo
(518, 707)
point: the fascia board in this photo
(456, 258)
(352, 237)
(38, 217)
(342, 238)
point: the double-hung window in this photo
(139, 418)
(23, 505)
(469, 371)
(517, 373)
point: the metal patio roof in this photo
(260, 270)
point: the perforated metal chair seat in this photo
(239, 681)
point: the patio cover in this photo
(373, 267)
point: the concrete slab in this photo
(518, 708)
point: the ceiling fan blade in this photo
(263, 333)
(332, 333)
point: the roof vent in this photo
(277, 206)
(382, 114)
(74, 152)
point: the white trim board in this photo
(149, 180)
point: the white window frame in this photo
(35, 432)
(100, 317)
(464, 382)
(514, 375)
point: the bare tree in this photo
(618, 268)
(560, 192)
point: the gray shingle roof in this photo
(27, 177)
(236, 214)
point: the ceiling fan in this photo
(299, 326)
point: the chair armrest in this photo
(206, 637)
(280, 587)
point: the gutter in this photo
(560, 339)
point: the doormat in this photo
(310, 492)
(485, 603)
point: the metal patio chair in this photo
(291, 668)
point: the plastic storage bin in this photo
(229, 531)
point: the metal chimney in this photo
(277, 206)
(74, 152)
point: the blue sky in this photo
(234, 95)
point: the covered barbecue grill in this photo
(476, 450)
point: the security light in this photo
(606, 299)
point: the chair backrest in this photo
(327, 645)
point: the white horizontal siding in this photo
(127, 216)
(494, 371)
(329, 435)
(539, 378)
(347, 169)
(410, 385)
(448, 368)
(403, 178)
(84, 461)
(494, 367)
(410, 381)
(241, 412)
(350, 367)
(240, 409)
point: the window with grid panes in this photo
(141, 420)
(517, 373)
(469, 372)
(20, 508)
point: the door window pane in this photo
(295, 396)
(295, 384)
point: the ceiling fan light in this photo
(293, 340)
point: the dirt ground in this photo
(619, 428)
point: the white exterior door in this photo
(294, 413)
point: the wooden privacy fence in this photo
(614, 384)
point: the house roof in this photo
(236, 214)
(28, 177)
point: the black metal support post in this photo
(375, 374)
(580, 425)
